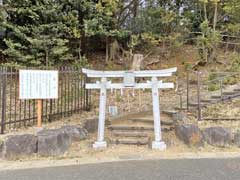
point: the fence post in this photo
(199, 96)
(86, 94)
(187, 90)
(4, 84)
(181, 103)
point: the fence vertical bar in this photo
(10, 96)
(181, 102)
(75, 90)
(1, 85)
(65, 91)
(81, 88)
(221, 89)
(87, 105)
(4, 84)
(187, 90)
(15, 98)
(199, 96)
(78, 89)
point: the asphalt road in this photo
(201, 169)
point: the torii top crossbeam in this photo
(148, 73)
(129, 82)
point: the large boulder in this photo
(190, 134)
(53, 142)
(237, 139)
(16, 146)
(217, 136)
(91, 125)
(75, 132)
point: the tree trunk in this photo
(135, 8)
(215, 17)
(205, 11)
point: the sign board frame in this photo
(38, 81)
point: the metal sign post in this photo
(129, 82)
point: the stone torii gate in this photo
(129, 82)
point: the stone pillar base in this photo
(100, 145)
(159, 145)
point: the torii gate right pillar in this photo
(157, 143)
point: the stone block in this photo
(190, 134)
(16, 146)
(75, 132)
(91, 125)
(237, 139)
(217, 136)
(53, 142)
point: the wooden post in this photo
(39, 113)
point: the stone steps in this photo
(229, 93)
(131, 141)
(130, 133)
(217, 96)
(236, 90)
(196, 104)
(131, 127)
(208, 101)
(149, 120)
(170, 112)
(138, 128)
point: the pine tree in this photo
(35, 33)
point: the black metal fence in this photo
(16, 113)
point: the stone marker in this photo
(217, 136)
(189, 134)
(75, 132)
(237, 139)
(53, 142)
(16, 146)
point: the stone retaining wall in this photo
(47, 142)
(192, 135)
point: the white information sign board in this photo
(38, 84)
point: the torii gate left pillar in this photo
(158, 143)
(100, 143)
